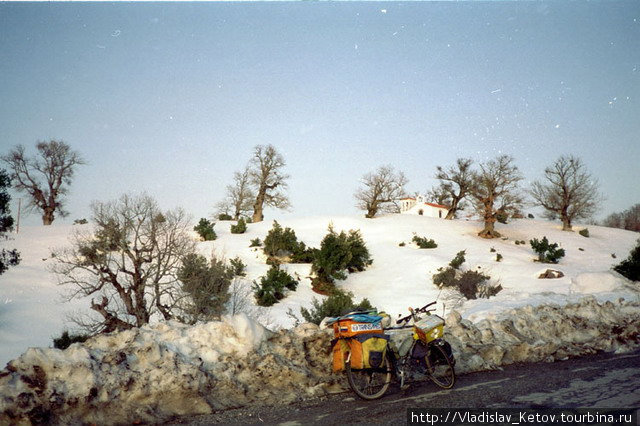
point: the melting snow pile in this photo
(159, 371)
(156, 372)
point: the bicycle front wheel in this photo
(439, 367)
(370, 383)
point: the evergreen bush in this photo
(424, 243)
(499, 257)
(256, 243)
(468, 283)
(547, 253)
(66, 340)
(445, 278)
(338, 254)
(207, 284)
(471, 284)
(630, 267)
(224, 216)
(502, 216)
(272, 286)
(338, 303)
(458, 260)
(280, 242)
(204, 228)
(360, 257)
(82, 221)
(240, 227)
(584, 232)
(238, 267)
(303, 254)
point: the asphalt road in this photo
(596, 381)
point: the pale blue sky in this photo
(170, 98)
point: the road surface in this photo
(596, 381)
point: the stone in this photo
(551, 273)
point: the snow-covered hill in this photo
(32, 310)
(162, 370)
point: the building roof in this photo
(439, 206)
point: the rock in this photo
(551, 273)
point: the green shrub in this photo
(492, 250)
(224, 216)
(471, 284)
(303, 254)
(207, 284)
(445, 278)
(338, 254)
(630, 267)
(458, 260)
(204, 228)
(66, 340)
(238, 267)
(360, 257)
(499, 257)
(256, 243)
(584, 232)
(338, 303)
(280, 242)
(272, 287)
(424, 243)
(240, 227)
(468, 283)
(80, 221)
(502, 216)
(402, 244)
(547, 253)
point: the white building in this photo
(421, 207)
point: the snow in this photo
(32, 310)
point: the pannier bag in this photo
(356, 325)
(362, 351)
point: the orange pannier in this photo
(348, 328)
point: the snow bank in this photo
(157, 372)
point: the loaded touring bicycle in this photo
(371, 352)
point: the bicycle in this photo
(415, 351)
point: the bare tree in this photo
(382, 189)
(628, 219)
(495, 192)
(240, 196)
(455, 184)
(437, 195)
(45, 177)
(265, 174)
(569, 192)
(129, 263)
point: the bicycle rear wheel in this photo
(370, 383)
(439, 367)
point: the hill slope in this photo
(31, 311)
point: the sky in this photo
(171, 98)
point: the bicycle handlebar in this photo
(417, 311)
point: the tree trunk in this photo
(489, 230)
(372, 210)
(489, 221)
(451, 213)
(566, 224)
(257, 206)
(47, 216)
